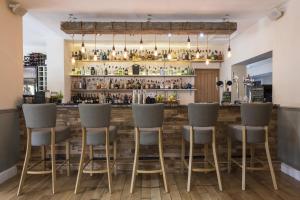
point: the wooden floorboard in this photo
(150, 186)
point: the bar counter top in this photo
(174, 119)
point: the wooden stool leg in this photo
(43, 156)
(190, 159)
(53, 167)
(270, 160)
(244, 141)
(252, 153)
(80, 169)
(216, 159)
(115, 157)
(205, 157)
(68, 157)
(91, 158)
(182, 153)
(26, 162)
(161, 157)
(229, 154)
(136, 157)
(108, 159)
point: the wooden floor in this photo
(204, 186)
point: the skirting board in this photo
(7, 174)
(290, 171)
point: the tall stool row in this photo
(42, 131)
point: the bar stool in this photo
(96, 130)
(253, 130)
(201, 130)
(40, 120)
(148, 120)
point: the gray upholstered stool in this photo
(148, 120)
(253, 130)
(96, 130)
(201, 130)
(41, 127)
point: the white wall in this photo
(11, 67)
(281, 37)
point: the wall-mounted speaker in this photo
(275, 14)
(16, 8)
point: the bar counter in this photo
(174, 119)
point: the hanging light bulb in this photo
(197, 52)
(82, 45)
(229, 49)
(169, 55)
(73, 59)
(73, 56)
(125, 53)
(95, 51)
(207, 59)
(188, 42)
(113, 50)
(155, 48)
(141, 43)
(169, 52)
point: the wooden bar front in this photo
(174, 119)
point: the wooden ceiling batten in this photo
(177, 28)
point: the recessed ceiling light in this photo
(201, 34)
(169, 35)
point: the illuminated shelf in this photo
(142, 76)
(130, 90)
(159, 61)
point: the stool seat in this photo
(255, 134)
(96, 136)
(42, 136)
(202, 135)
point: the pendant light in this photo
(113, 50)
(125, 53)
(82, 45)
(207, 60)
(188, 42)
(169, 52)
(229, 49)
(155, 47)
(141, 41)
(73, 56)
(197, 51)
(95, 51)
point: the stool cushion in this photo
(96, 136)
(42, 136)
(202, 135)
(255, 134)
(148, 136)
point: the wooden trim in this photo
(178, 28)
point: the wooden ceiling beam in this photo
(177, 28)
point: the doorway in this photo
(205, 85)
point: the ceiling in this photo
(51, 12)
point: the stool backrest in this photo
(95, 115)
(202, 114)
(40, 115)
(148, 115)
(256, 114)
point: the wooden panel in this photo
(148, 27)
(205, 83)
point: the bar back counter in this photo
(174, 120)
